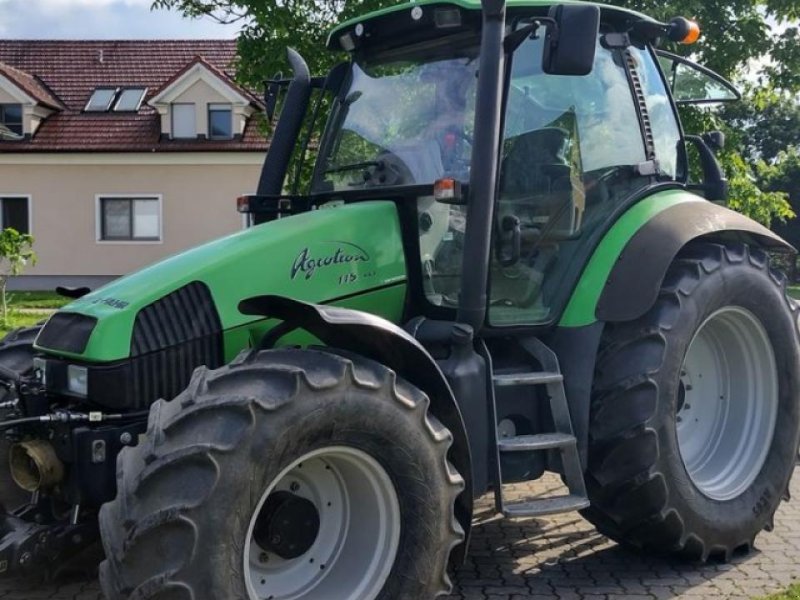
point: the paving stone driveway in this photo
(563, 558)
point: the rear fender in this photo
(635, 280)
(380, 340)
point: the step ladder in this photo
(562, 439)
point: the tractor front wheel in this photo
(695, 420)
(289, 474)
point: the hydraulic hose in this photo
(73, 417)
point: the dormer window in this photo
(11, 118)
(220, 121)
(130, 99)
(101, 100)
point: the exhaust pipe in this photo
(35, 466)
(284, 138)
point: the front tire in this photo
(288, 474)
(695, 419)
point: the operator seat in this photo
(536, 181)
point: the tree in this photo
(16, 252)
(737, 35)
(268, 27)
(764, 124)
(735, 31)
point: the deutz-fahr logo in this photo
(309, 261)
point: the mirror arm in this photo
(715, 184)
(514, 39)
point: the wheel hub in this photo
(288, 525)
(326, 528)
(727, 403)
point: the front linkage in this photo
(57, 469)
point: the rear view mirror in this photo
(715, 140)
(571, 45)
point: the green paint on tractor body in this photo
(581, 308)
(351, 256)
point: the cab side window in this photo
(666, 131)
(572, 154)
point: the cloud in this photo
(101, 19)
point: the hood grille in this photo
(171, 338)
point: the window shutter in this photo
(183, 121)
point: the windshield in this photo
(402, 122)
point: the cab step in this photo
(541, 507)
(517, 379)
(540, 441)
(562, 439)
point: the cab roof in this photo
(467, 5)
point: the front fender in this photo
(380, 340)
(635, 280)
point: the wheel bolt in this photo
(294, 486)
(275, 540)
(263, 557)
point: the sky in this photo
(101, 19)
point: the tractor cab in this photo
(587, 126)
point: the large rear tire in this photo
(695, 419)
(295, 474)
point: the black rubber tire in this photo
(640, 491)
(186, 494)
(16, 353)
(16, 349)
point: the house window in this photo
(220, 121)
(14, 213)
(183, 121)
(11, 117)
(101, 100)
(130, 219)
(130, 99)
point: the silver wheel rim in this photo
(728, 403)
(359, 533)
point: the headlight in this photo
(77, 380)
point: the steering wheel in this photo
(389, 170)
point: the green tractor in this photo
(500, 269)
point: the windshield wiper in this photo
(355, 166)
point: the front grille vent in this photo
(171, 338)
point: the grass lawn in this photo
(43, 300)
(29, 308)
(794, 292)
(793, 593)
(16, 319)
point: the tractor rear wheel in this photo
(695, 421)
(288, 474)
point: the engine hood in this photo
(321, 256)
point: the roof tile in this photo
(69, 71)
